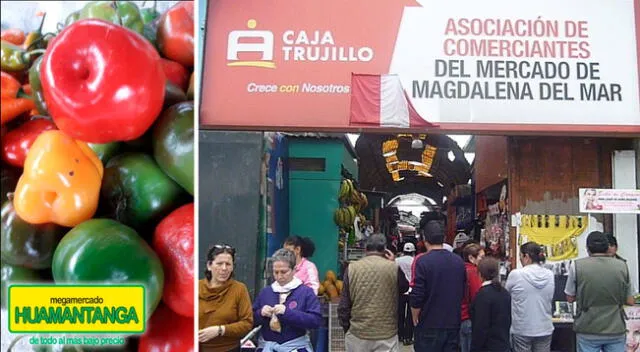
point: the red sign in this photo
(287, 65)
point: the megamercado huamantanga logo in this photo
(76, 308)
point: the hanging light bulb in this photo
(417, 144)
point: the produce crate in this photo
(336, 334)
(353, 254)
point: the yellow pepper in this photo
(60, 182)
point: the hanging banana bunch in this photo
(556, 233)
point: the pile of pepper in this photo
(97, 159)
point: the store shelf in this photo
(352, 254)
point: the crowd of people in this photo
(437, 300)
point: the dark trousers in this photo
(405, 323)
(436, 340)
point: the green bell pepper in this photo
(136, 192)
(105, 151)
(103, 10)
(173, 143)
(130, 16)
(149, 14)
(36, 87)
(10, 176)
(106, 251)
(124, 13)
(25, 244)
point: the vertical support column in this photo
(625, 226)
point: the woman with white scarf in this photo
(287, 309)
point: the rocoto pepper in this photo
(106, 251)
(124, 13)
(13, 35)
(149, 14)
(167, 331)
(102, 82)
(173, 241)
(173, 143)
(175, 73)
(60, 182)
(136, 192)
(175, 33)
(27, 245)
(16, 144)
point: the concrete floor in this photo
(404, 348)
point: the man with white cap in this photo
(405, 324)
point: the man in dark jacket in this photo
(439, 279)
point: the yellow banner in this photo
(556, 233)
(76, 308)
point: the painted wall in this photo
(313, 198)
(350, 164)
(229, 199)
(545, 174)
(625, 225)
(491, 168)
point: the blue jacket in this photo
(302, 313)
(439, 283)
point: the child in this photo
(491, 311)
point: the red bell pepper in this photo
(176, 73)
(167, 331)
(102, 82)
(16, 143)
(173, 241)
(175, 33)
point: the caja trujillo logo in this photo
(317, 45)
(263, 47)
(77, 308)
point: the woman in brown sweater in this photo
(225, 313)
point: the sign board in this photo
(633, 328)
(464, 65)
(616, 201)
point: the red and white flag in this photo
(380, 100)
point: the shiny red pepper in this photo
(175, 33)
(176, 73)
(16, 143)
(102, 82)
(167, 332)
(173, 241)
